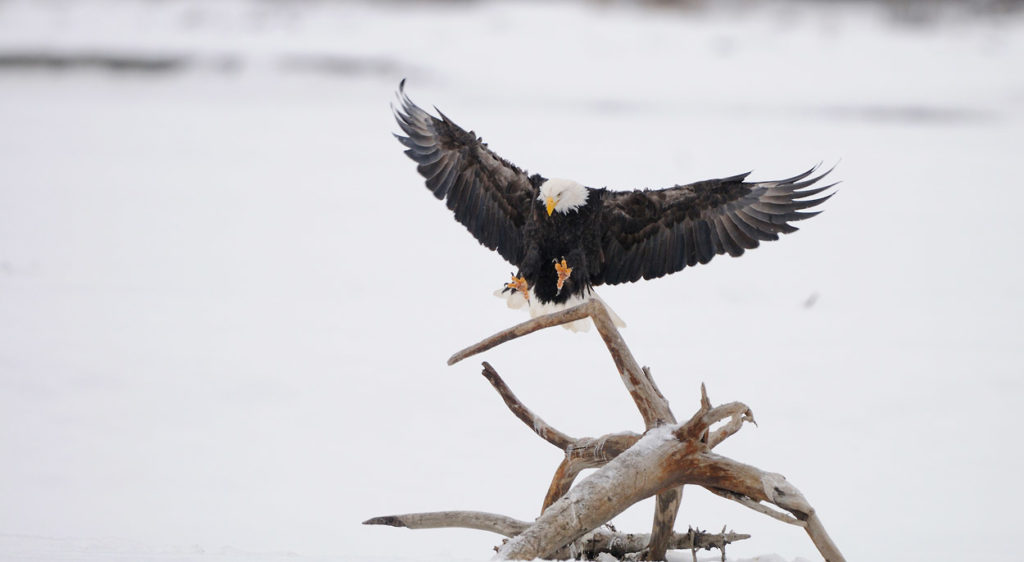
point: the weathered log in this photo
(631, 477)
(600, 541)
(622, 544)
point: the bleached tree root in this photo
(630, 468)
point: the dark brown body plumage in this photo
(574, 236)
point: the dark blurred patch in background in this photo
(106, 51)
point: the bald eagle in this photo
(565, 238)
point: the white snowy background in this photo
(226, 298)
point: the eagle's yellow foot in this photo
(564, 271)
(518, 284)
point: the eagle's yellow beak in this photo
(550, 202)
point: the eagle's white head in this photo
(562, 195)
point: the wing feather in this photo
(689, 244)
(705, 245)
(657, 255)
(768, 230)
(750, 228)
(733, 248)
(651, 233)
(678, 247)
(490, 196)
(741, 236)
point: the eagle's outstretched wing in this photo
(489, 195)
(651, 233)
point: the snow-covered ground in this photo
(226, 299)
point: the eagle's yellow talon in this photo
(519, 284)
(564, 271)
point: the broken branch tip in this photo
(389, 520)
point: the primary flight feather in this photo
(565, 238)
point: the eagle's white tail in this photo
(515, 300)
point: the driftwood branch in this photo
(666, 508)
(659, 460)
(589, 546)
(558, 318)
(630, 468)
(622, 544)
(539, 426)
(758, 507)
(580, 454)
(655, 411)
(821, 539)
(653, 407)
(648, 399)
(479, 520)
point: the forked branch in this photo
(533, 421)
(580, 454)
(649, 400)
(652, 405)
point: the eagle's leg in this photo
(518, 284)
(564, 271)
